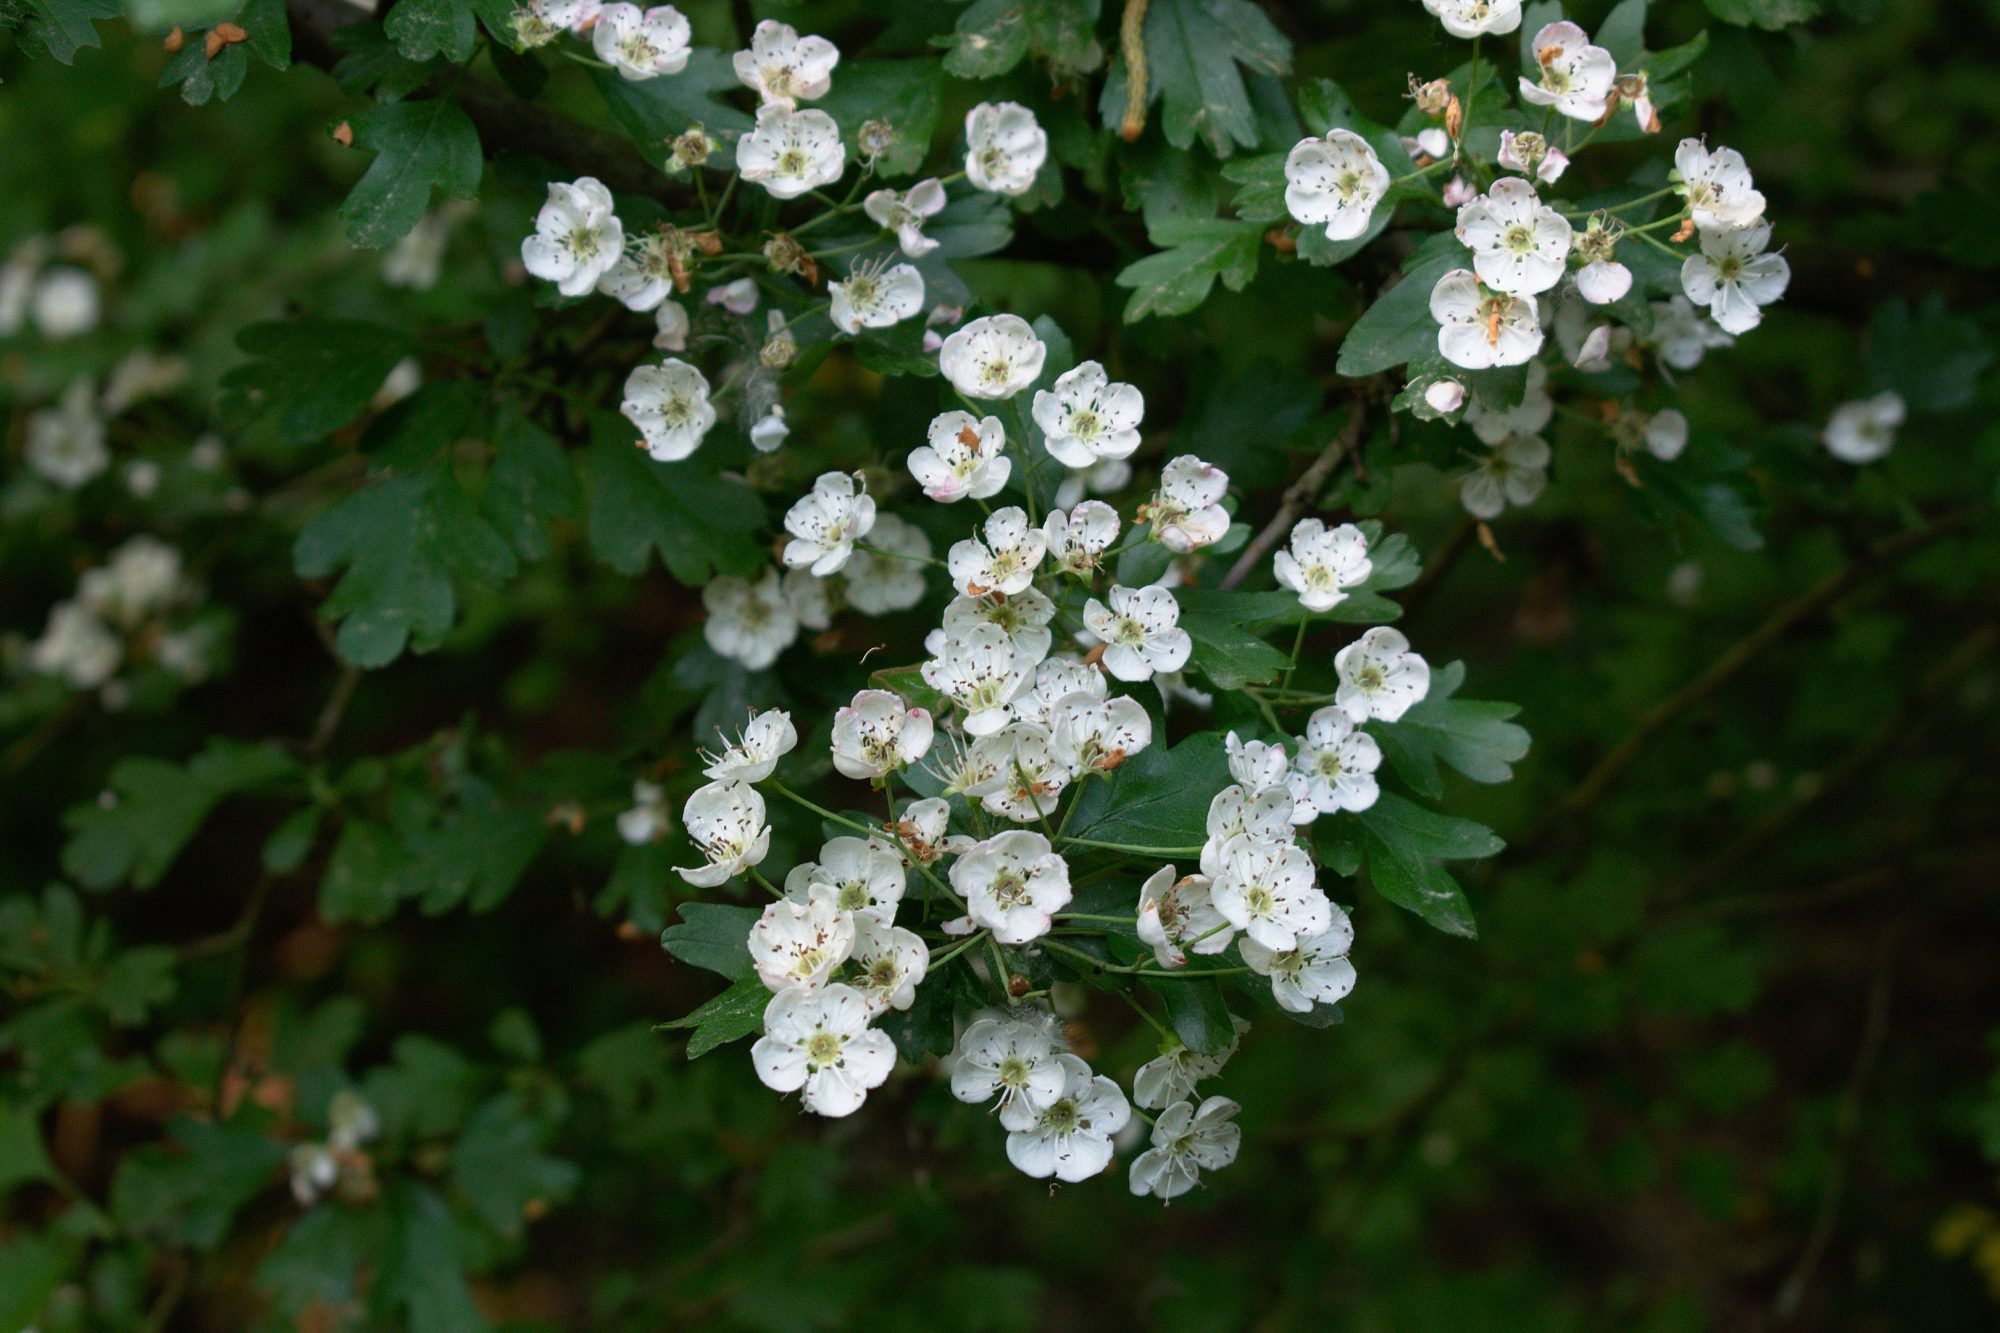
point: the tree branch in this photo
(1299, 495)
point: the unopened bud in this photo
(1454, 118)
(1445, 396)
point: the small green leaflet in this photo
(1197, 1010)
(730, 1016)
(1159, 799)
(990, 38)
(1228, 655)
(151, 808)
(1193, 50)
(65, 26)
(1471, 736)
(1180, 278)
(714, 936)
(1399, 327)
(700, 524)
(316, 374)
(418, 146)
(531, 485)
(1404, 843)
(902, 94)
(499, 1165)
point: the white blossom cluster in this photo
(129, 611)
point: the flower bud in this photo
(1445, 396)
(692, 149)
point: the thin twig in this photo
(1299, 495)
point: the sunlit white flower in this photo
(1337, 180)
(1472, 18)
(1176, 917)
(1024, 617)
(924, 831)
(1338, 763)
(1086, 418)
(1665, 434)
(875, 296)
(1186, 514)
(1013, 884)
(1185, 1143)
(1513, 472)
(754, 755)
(1479, 329)
(889, 962)
(994, 357)
(803, 937)
(784, 68)
(820, 1041)
(1734, 278)
(641, 44)
(1017, 1061)
(981, 672)
(1238, 813)
(791, 152)
(1070, 1139)
(1004, 147)
(314, 1168)
(671, 324)
(1078, 539)
(1027, 778)
(863, 875)
(750, 623)
(1322, 563)
(1316, 972)
(647, 820)
(725, 820)
(1379, 676)
(1717, 187)
(965, 457)
(1433, 143)
(1532, 155)
(1519, 244)
(826, 522)
(1003, 561)
(669, 404)
(905, 213)
(1865, 430)
(1682, 334)
(76, 647)
(1094, 735)
(66, 442)
(1055, 681)
(1575, 76)
(878, 733)
(1141, 632)
(577, 236)
(1267, 891)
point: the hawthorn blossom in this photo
(1186, 1142)
(1004, 561)
(1141, 632)
(863, 876)
(754, 754)
(1095, 735)
(784, 68)
(810, 597)
(1527, 417)
(1078, 539)
(1185, 514)
(577, 236)
(887, 574)
(1056, 681)
(1004, 147)
(924, 831)
(1237, 813)
(1261, 766)
(906, 212)
(1013, 884)
(1734, 278)
(1070, 1139)
(725, 820)
(643, 275)
(1682, 335)
(1473, 18)
(770, 431)
(827, 521)
(964, 457)
(1865, 430)
(738, 297)
(1479, 329)
(791, 152)
(994, 357)
(66, 302)
(1338, 762)
(1575, 78)
(820, 1041)
(800, 940)
(1172, 1075)
(647, 820)
(1026, 775)
(889, 963)
(1519, 244)
(1017, 1061)
(1315, 972)
(641, 44)
(670, 323)
(981, 672)
(669, 404)
(1337, 180)
(875, 296)
(1717, 187)
(1379, 676)
(878, 733)
(1321, 563)
(750, 623)
(1665, 434)
(1024, 618)
(76, 647)
(1512, 472)
(1602, 279)
(1267, 891)
(66, 442)
(1532, 155)
(1176, 917)
(1444, 396)
(1086, 418)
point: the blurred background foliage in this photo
(1723, 1056)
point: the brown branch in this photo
(1299, 495)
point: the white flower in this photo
(1017, 1061)
(770, 431)
(1514, 471)
(1576, 76)
(669, 404)
(826, 522)
(1185, 514)
(1471, 18)
(1535, 410)
(1004, 147)
(750, 623)
(1681, 335)
(1086, 418)
(1444, 396)
(1111, 475)
(1024, 617)
(738, 297)
(76, 646)
(1338, 763)
(981, 672)
(1176, 915)
(1480, 329)
(577, 237)
(1267, 891)
(785, 68)
(1316, 972)
(905, 213)
(877, 733)
(888, 573)
(726, 821)
(1057, 680)
(65, 302)
(671, 321)
(314, 1170)
(1321, 563)
(1519, 244)
(1865, 430)
(1094, 735)
(801, 939)
(1070, 1139)
(754, 756)
(1603, 281)
(1734, 278)
(889, 963)
(1237, 813)
(964, 458)
(863, 876)
(924, 831)
(994, 357)
(875, 297)
(1379, 676)
(643, 275)
(1026, 777)
(1013, 884)
(1337, 180)
(810, 598)
(66, 442)
(1261, 766)
(142, 577)
(1079, 539)
(1665, 434)
(1187, 1142)
(641, 44)
(1531, 155)
(1140, 630)
(647, 820)
(1173, 1074)
(820, 1041)
(1004, 562)
(791, 152)
(1717, 186)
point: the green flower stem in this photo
(1093, 916)
(1134, 850)
(1298, 646)
(820, 810)
(1152, 1022)
(938, 960)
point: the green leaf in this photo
(1771, 15)
(31, 1268)
(1398, 327)
(1403, 844)
(136, 982)
(1471, 736)
(63, 27)
(152, 807)
(1228, 655)
(700, 524)
(270, 32)
(532, 484)
(201, 79)
(1193, 49)
(1623, 33)
(321, 1259)
(422, 1273)
(412, 432)
(990, 38)
(1159, 799)
(902, 94)
(730, 1016)
(908, 681)
(714, 936)
(402, 541)
(425, 1094)
(1415, 831)
(1261, 197)
(418, 146)
(187, 1194)
(317, 374)
(422, 29)
(369, 872)
(499, 1165)
(654, 112)
(22, 1157)
(1930, 356)
(925, 1028)
(1197, 1010)
(1180, 278)
(477, 856)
